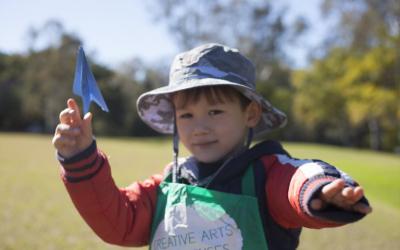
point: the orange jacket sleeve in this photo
(291, 185)
(121, 216)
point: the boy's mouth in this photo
(204, 144)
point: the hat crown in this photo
(212, 61)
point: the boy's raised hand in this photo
(73, 134)
(338, 194)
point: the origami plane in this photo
(85, 85)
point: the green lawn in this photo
(36, 213)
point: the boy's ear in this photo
(253, 114)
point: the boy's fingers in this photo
(362, 208)
(330, 190)
(64, 117)
(74, 106)
(65, 129)
(357, 194)
(316, 204)
(64, 134)
(67, 116)
(60, 141)
(348, 193)
(351, 195)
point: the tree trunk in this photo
(374, 134)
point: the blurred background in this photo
(333, 66)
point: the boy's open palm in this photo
(338, 194)
(73, 134)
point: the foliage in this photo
(348, 92)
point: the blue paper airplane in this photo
(85, 85)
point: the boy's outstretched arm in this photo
(312, 193)
(119, 216)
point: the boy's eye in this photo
(185, 116)
(215, 112)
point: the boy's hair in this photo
(213, 94)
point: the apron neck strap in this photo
(248, 187)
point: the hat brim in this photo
(156, 110)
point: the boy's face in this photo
(211, 131)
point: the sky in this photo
(117, 31)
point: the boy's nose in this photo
(201, 127)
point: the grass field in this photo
(36, 212)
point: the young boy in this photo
(226, 195)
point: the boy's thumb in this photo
(87, 121)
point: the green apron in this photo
(194, 218)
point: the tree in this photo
(351, 93)
(371, 89)
(363, 24)
(47, 79)
(318, 105)
(368, 31)
(10, 84)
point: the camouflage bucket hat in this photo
(206, 65)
